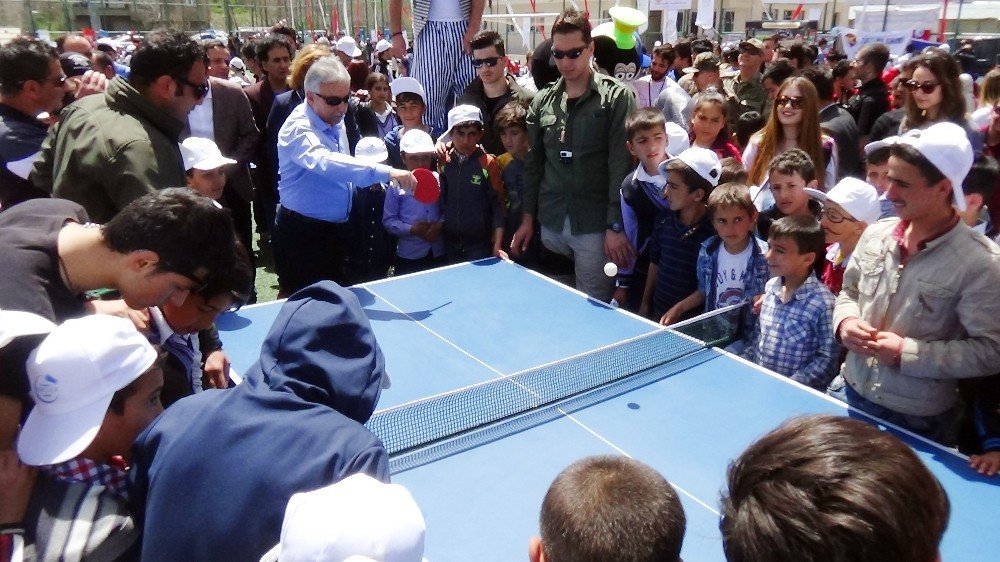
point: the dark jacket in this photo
(838, 123)
(21, 136)
(475, 95)
(870, 103)
(471, 197)
(107, 151)
(212, 475)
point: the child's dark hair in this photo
(236, 283)
(693, 181)
(819, 472)
(644, 119)
(805, 231)
(410, 97)
(879, 156)
(731, 195)
(793, 161)
(514, 114)
(732, 171)
(982, 178)
(376, 78)
(712, 96)
(611, 508)
(747, 124)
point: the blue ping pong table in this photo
(455, 330)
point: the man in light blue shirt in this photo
(318, 175)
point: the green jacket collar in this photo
(122, 95)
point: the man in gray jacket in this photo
(921, 294)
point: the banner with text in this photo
(853, 39)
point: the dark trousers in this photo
(459, 249)
(307, 250)
(406, 265)
(239, 209)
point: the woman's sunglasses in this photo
(795, 102)
(926, 87)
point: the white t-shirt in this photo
(445, 10)
(729, 276)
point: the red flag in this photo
(335, 21)
(797, 13)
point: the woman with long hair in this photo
(936, 95)
(793, 123)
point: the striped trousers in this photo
(442, 68)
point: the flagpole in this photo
(885, 16)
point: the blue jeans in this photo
(942, 428)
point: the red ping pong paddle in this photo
(428, 189)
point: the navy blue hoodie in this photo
(212, 475)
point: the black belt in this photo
(282, 210)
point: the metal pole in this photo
(959, 18)
(944, 22)
(229, 17)
(885, 15)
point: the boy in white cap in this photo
(921, 293)
(411, 104)
(203, 166)
(96, 385)
(848, 209)
(369, 246)
(671, 290)
(471, 191)
(417, 225)
(358, 519)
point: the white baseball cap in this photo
(371, 149)
(407, 85)
(703, 161)
(855, 196)
(348, 46)
(460, 115)
(382, 46)
(237, 63)
(946, 146)
(15, 323)
(358, 518)
(677, 139)
(74, 373)
(416, 141)
(202, 154)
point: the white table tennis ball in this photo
(610, 269)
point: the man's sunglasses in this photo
(333, 101)
(926, 87)
(570, 54)
(795, 102)
(200, 90)
(488, 61)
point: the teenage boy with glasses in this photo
(577, 161)
(492, 88)
(108, 150)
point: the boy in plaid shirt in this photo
(796, 319)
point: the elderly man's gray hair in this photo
(327, 70)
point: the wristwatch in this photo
(616, 227)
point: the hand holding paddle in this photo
(405, 180)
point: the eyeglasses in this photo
(333, 101)
(835, 216)
(488, 61)
(570, 54)
(200, 90)
(926, 87)
(795, 102)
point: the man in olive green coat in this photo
(108, 150)
(577, 161)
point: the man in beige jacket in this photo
(920, 306)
